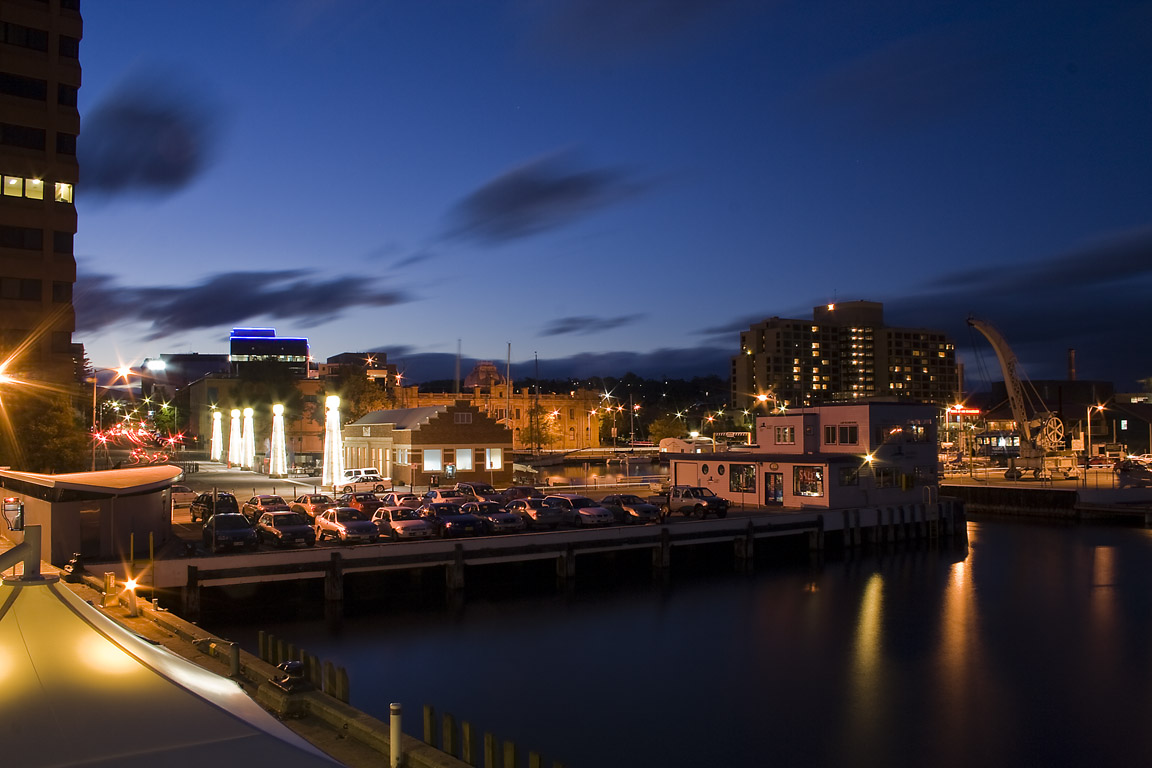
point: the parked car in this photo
(496, 519)
(536, 513)
(401, 523)
(521, 492)
(345, 525)
(365, 479)
(363, 500)
(229, 530)
(261, 503)
(450, 495)
(691, 500)
(208, 504)
(312, 504)
(447, 520)
(181, 495)
(580, 510)
(401, 499)
(630, 508)
(285, 529)
(475, 491)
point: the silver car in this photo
(580, 510)
(536, 513)
(401, 523)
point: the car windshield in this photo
(628, 498)
(321, 499)
(403, 514)
(702, 493)
(272, 500)
(482, 488)
(231, 522)
(348, 516)
(580, 502)
(450, 494)
(365, 497)
(284, 520)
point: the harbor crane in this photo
(1042, 433)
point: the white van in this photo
(362, 479)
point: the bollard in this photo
(133, 606)
(534, 760)
(109, 597)
(394, 735)
(233, 659)
(509, 754)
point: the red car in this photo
(364, 501)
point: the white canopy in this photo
(78, 689)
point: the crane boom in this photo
(1012, 383)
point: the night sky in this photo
(615, 186)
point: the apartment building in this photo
(39, 126)
(844, 353)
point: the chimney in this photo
(1071, 364)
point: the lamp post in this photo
(1088, 442)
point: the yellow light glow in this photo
(333, 401)
(123, 371)
(130, 584)
(278, 409)
(247, 412)
(103, 657)
(236, 413)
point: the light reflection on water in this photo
(1034, 649)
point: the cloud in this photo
(229, 298)
(533, 198)
(414, 258)
(152, 136)
(585, 325)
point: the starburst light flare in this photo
(217, 447)
(278, 461)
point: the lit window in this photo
(63, 192)
(34, 188)
(13, 186)
(493, 458)
(432, 460)
(464, 459)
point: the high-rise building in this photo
(845, 352)
(39, 125)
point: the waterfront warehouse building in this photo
(844, 353)
(838, 456)
(39, 125)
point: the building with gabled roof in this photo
(431, 445)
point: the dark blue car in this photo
(229, 530)
(447, 520)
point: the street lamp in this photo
(1088, 441)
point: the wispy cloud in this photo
(542, 195)
(229, 298)
(583, 324)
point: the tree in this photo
(359, 395)
(541, 429)
(42, 433)
(666, 426)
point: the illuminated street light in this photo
(248, 441)
(333, 446)
(235, 448)
(217, 445)
(278, 460)
(1088, 442)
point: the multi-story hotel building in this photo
(844, 353)
(39, 125)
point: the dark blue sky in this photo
(635, 181)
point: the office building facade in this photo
(39, 127)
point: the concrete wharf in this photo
(181, 579)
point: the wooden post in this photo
(262, 645)
(329, 678)
(566, 567)
(662, 554)
(509, 754)
(467, 743)
(334, 580)
(192, 595)
(745, 550)
(448, 735)
(490, 751)
(534, 760)
(429, 725)
(454, 571)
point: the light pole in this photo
(1088, 442)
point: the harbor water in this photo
(1031, 647)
